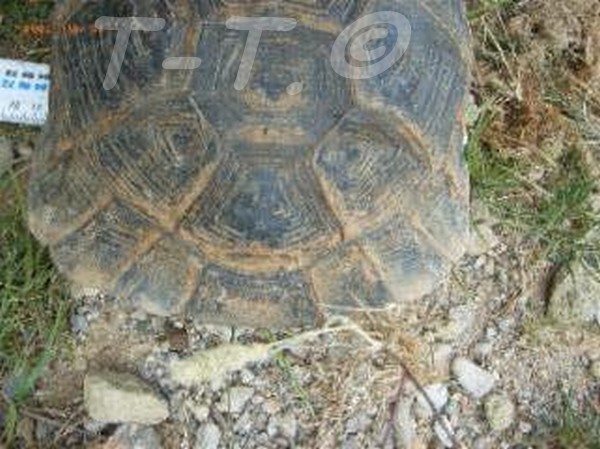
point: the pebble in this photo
(122, 398)
(474, 379)
(525, 427)
(208, 436)
(482, 350)
(438, 394)
(499, 412)
(79, 324)
(25, 150)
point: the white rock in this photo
(437, 393)
(208, 436)
(499, 412)
(474, 379)
(234, 400)
(213, 365)
(122, 398)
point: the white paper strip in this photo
(24, 91)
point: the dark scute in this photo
(257, 213)
(227, 296)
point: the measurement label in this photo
(24, 91)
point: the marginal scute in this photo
(62, 196)
(226, 296)
(96, 253)
(409, 264)
(347, 281)
(163, 278)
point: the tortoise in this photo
(305, 194)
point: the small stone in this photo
(79, 324)
(438, 394)
(482, 350)
(208, 436)
(576, 298)
(500, 412)
(474, 379)
(134, 437)
(595, 369)
(234, 400)
(122, 398)
(25, 150)
(246, 376)
(525, 427)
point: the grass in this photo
(525, 156)
(15, 15)
(555, 213)
(573, 424)
(33, 306)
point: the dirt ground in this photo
(392, 380)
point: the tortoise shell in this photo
(306, 193)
